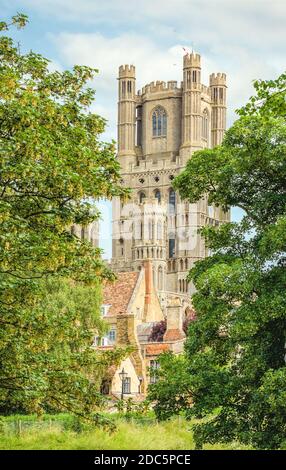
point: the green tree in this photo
(235, 350)
(53, 166)
(56, 365)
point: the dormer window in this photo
(159, 122)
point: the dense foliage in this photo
(52, 167)
(158, 331)
(234, 377)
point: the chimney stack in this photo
(148, 286)
(174, 331)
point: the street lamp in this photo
(140, 384)
(122, 376)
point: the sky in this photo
(246, 39)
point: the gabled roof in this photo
(118, 294)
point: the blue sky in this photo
(244, 38)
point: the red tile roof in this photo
(155, 349)
(118, 294)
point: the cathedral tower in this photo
(159, 128)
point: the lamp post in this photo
(122, 376)
(140, 384)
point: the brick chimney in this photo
(148, 287)
(148, 280)
(174, 331)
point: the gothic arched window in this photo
(172, 201)
(159, 122)
(141, 197)
(172, 246)
(158, 195)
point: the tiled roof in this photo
(173, 335)
(154, 349)
(118, 294)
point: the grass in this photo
(172, 435)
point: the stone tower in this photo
(218, 94)
(126, 114)
(191, 105)
(159, 128)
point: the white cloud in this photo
(153, 61)
(216, 17)
(106, 54)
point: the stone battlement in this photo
(205, 89)
(217, 79)
(127, 71)
(170, 86)
(159, 86)
(192, 60)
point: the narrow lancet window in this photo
(159, 122)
